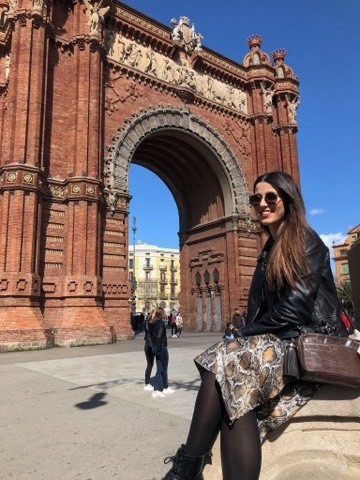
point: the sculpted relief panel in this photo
(143, 58)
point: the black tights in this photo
(240, 442)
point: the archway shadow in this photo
(191, 385)
(94, 401)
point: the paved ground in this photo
(82, 414)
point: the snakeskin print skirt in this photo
(249, 371)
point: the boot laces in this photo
(169, 459)
(176, 463)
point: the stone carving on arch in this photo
(157, 118)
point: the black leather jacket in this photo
(157, 332)
(288, 312)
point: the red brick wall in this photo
(63, 238)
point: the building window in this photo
(131, 263)
(344, 269)
(147, 275)
(172, 263)
(162, 276)
(343, 253)
(147, 262)
(131, 276)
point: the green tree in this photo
(344, 293)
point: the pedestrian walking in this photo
(179, 324)
(172, 323)
(158, 340)
(149, 354)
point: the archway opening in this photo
(191, 173)
(207, 183)
(154, 268)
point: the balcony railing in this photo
(148, 266)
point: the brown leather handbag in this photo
(328, 359)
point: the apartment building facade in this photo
(154, 273)
(341, 261)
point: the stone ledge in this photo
(321, 441)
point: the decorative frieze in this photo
(57, 191)
(115, 289)
(187, 82)
(114, 233)
(11, 177)
(28, 178)
(19, 284)
(249, 225)
(76, 189)
(55, 226)
(55, 265)
(22, 178)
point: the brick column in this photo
(82, 316)
(115, 283)
(21, 186)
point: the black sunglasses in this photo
(271, 198)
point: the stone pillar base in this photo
(82, 325)
(321, 441)
(23, 328)
(119, 320)
(72, 337)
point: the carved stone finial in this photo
(279, 56)
(254, 41)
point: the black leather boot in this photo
(185, 466)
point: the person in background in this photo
(172, 323)
(149, 355)
(158, 339)
(230, 332)
(237, 319)
(243, 392)
(179, 324)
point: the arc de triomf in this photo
(85, 89)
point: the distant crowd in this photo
(174, 321)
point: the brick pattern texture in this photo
(72, 118)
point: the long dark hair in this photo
(286, 262)
(157, 314)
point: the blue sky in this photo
(322, 40)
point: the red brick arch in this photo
(208, 185)
(179, 126)
(78, 104)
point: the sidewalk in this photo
(82, 414)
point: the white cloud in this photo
(316, 211)
(331, 238)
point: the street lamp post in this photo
(133, 282)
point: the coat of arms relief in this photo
(128, 52)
